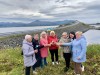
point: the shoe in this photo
(82, 68)
(77, 74)
(53, 63)
(34, 72)
(57, 63)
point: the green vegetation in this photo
(11, 63)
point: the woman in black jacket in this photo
(36, 45)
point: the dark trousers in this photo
(27, 69)
(67, 57)
(54, 52)
(38, 63)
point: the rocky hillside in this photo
(16, 40)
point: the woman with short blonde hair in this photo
(52, 39)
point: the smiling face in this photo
(36, 36)
(52, 33)
(64, 35)
(28, 38)
(78, 34)
(71, 36)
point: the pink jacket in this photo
(44, 51)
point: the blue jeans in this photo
(44, 62)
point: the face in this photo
(64, 35)
(43, 35)
(36, 37)
(52, 34)
(71, 36)
(77, 35)
(29, 39)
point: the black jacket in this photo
(37, 46)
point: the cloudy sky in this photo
(87, 11)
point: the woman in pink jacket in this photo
(44, 51)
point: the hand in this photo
(47, 45)
(59, 44)
(78, 58)
(35, 51)
(53, 42)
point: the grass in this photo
(11, 63)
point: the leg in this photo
(52, 55)
(68, 55)
(42, 63)
(56, 55)
(78, 71)
(45, 62)
(64, 55)
(75, 67)
(34, 66)
(27, 70)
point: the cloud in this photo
(49, 9)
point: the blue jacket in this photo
(28, 54)
(79, 47)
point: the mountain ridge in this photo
(35, 23)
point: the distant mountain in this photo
(36, 23)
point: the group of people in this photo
(35, 50)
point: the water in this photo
(92, 36)
(21, 29)
(96, 25)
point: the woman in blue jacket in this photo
(78, 51)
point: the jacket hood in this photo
(83, 37)
(28, 43)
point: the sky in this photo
(87, 11)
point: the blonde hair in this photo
(42, 33)
(79, 32)
(52, 32)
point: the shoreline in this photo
(16, 39)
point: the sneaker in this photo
(82, 68)
(34, 72)
(57, 63)
(53, 63)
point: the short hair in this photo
(27, 37)
(79, 32)
(64, 33)
(52, 32)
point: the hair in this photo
(64, 33)
(52, 32)
(79, 32)
(27, 37)
(73, 34)
(42, 33)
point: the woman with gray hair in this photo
(79, 47)
(28, 54)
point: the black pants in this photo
(39, 61)
(67, 57)
(27, 69)
(54, 52)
